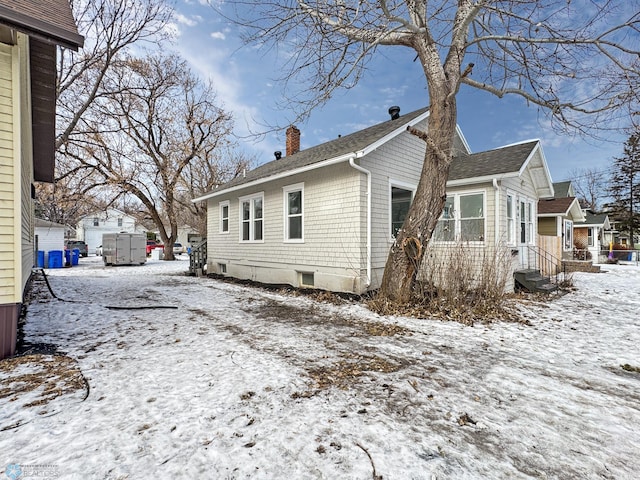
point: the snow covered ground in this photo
(236, 382)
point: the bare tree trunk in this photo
(405, 258)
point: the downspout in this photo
(497, 211)
(368, 174)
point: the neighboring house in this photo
(29, 34)
(593, 234)
(557, 217)
(619, 235)
(325, 217)
(91, 227)
(48, 236)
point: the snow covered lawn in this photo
(235, 382)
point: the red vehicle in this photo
(151, 245)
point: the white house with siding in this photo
(29, 35)
(325, 217)
(91, 227)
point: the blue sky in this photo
(245, 81)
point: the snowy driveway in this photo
(234, 382)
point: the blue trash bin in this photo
(75, 255)
(67, 258)
(40, 261)
(55, 259)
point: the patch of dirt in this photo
(46, 376)
(347, 372)
(630, 368)
(274, 310)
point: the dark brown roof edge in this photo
(43, 30)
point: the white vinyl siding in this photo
(389, 166)
(334, 207)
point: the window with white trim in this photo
(568, 235)
(294, 213)
(224, 217)
(511, 220)
(251, 218)
(590, 242)
(526, 216)
(120, 221)
(530, 217)
(462, 219)
(472, 217)
(446, 228)
(400, 202)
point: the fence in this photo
(619, 256)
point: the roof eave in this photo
(483, 179)
(43, 30)
(277, 176)
(546, 192)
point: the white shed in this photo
(48, 236)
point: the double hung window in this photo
(400, 203)
(294, 213)
(251, 218)
(511, 220)
(224, 217)
(462, 219)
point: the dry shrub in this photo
(459, 282)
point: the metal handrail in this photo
(198, 257)
(548, 264)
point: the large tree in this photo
(111, 28)
(590, 185)
(158, 136)
(567, 57)
(624, 188)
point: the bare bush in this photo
(459, 282)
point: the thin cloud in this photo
(218, 36)
(188, 21)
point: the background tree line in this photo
(136, 128)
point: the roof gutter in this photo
(496, 187)
(368, 174)
(483, 179)
(283, 174)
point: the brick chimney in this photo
(293, 140)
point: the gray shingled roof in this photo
(561, 189)
(595, 218)
(49, 19)
(509, 159)
(499, 161)
(351, 143)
